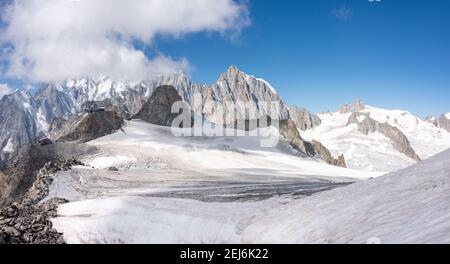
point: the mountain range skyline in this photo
(5, 90)
(341, 50)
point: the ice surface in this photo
(408, 206)
(182, 189)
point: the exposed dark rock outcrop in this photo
(19, 172)
(158, 110)
(431, 120)
(28, 220)
(17, 125)
(87, 126)
(303, 119)
(368, 125)
(356, 106)
(444, 122)
(319, 150)
(290, 133)
(313, 149)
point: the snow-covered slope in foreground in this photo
(182, 189)
(408, 206)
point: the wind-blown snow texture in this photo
(407, 206)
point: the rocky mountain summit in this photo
(444, 122)
(158, 108)
(356, 106)
(303, 119)
(87, 126)
(376, 139)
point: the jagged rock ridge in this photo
(313, 149)
(399, 140)
(303, 119)
(55, 109)
(87, 126)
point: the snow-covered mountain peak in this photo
(430, 119)
(447, 115)
(233, 74)
(355, 106)
(388, 140)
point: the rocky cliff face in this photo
(431, 120)
(290, 133)
(88, 126)
(158, 109)
(236, 86)
(368, 125)
(444, 122)
(17, 121)
(303, 119)
(19, 170)
(27, 219)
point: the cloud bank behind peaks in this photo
(4, 90)
(54, 40)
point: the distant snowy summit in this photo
(442, 122)
(378, 139)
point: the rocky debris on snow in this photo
(113, 169)
(19, 172)
(40, 188)
(303, 119)
(30, 224)
(45, 141)
(399, 140)
(28, 221)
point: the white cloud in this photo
(4, 90)
(60, 39)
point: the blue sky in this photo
(320, 54)
(392, 54)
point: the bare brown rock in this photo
(313, 149)
(369, 125)
(303, 119)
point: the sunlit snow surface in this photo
(375, 152)
(407, 206)
(182, 189)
